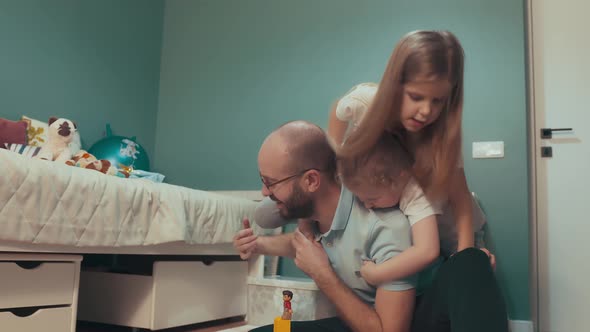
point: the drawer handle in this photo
(24, 312)
(208, 262)
(28, 265)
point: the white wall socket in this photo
(488, 150)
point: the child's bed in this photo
(46, 207)
(43, 202)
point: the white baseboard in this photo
(515, 326)
(521, 326)
(243, 328)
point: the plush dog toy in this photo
(63, 140)
(81, 159)
(103, 166)
(86, 160)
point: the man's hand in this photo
(492, 258)
(306, 227)
(245, 241)
(310, 256)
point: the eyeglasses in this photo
(269, 185)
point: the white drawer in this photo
(47, 320)
(50, 283)
(178, 293)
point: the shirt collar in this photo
(342, 213)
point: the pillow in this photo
(25, 150)
(36, 131)
(13, 132)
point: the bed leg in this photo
(256, 267)
(256, 263)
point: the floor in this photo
(224, 325)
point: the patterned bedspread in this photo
(51, 203)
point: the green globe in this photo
(122, 152)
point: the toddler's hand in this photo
(369, 273)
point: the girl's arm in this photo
(461, 204)
(336, 127)
(425, 250)
(349, 110)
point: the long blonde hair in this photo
(432, 54)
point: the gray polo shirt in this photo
(359, 234)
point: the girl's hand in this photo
(369, 273)
(492, 258)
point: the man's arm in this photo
(247, 244)
(275, 245)
(392, 313)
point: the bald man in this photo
(298, 171)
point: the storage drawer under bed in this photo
(175, 293)
(30, 283)
(57, 319)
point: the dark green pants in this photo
(464, 297)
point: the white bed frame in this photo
(172, 248)
(255, 266)
(255, 269)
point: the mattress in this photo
(47, 202)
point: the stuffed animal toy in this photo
(81, 159)
(61, 133)
(86, 160)
(76, 144)
(103, 166)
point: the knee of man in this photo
(472, 257)
(267, 328)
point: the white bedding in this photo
(46, 202)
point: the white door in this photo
(561, 87)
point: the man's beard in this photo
(298, 205)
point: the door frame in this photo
(532, 146)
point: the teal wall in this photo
(234, 70)
(91, 61)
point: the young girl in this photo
(420, 100)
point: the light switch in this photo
(488, 150)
